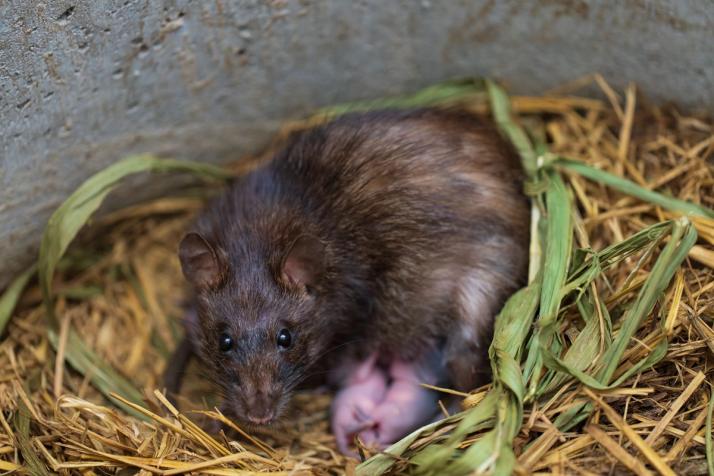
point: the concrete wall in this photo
(83, 83)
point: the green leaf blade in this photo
(630, 188)
(12, 294)
(64, 225)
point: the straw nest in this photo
(119, 288)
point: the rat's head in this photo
(261, 322)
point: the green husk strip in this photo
(501, 112)
(708, 433)
(682, 239)
(12, 294)
(585, 348)
(81, 292)
(63, 226)
(558, 244)
(22, 435)
(630, 188)
(457, 91)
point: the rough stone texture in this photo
(83, 83)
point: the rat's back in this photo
(389, 172)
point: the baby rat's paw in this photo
(406, 407)
(354, 405)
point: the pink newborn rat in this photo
(382, 405)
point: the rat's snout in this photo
(260, 401)
(260, 407)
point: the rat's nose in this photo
(260, 408)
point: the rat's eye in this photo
(225, 342)
(284, 338)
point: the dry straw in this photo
(602, 364)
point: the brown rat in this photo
(388, 233)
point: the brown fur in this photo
(423, 231)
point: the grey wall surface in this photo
(83, 83)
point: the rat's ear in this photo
(202, 264)
(305, 263)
